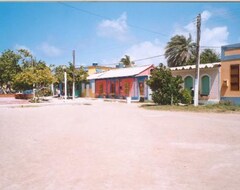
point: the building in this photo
(230, 75)
(120, 83)
(95, 68)
(209, 80)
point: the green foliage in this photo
(186, 97)
(180, 50)
(38, 77)
(165, 87)
(80, 74)
(226, 103)
(59, 74)
(43, 92)
(21, 70)
(209, 56)
(9, 67)
(127, 61)
(26, 59)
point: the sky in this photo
(103, 32)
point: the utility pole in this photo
(73, 88)
(196, 86)
(65, 84)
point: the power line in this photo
(142, 59)
(139, 59)
(108, 18)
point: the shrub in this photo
(186, 97)
(43, 92)
(165, 87)
(226, 103)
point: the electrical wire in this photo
(108, 18)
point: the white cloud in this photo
(216, 36)
(210, 36)
(206, 15)
(147, 49)
(114, 28)
(49, 50)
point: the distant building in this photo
(230, 75)
(95, 68)
(121, 83)
(209, 80)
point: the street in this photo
(117, 146)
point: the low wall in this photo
(7, 95)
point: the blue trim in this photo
(229, 47)
(234, 100)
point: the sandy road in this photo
(117, 146)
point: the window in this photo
(126, 89)
(234, 75)
(101, 89)
(112, 88)
(205, 85)
(188, 82)
(141, 88)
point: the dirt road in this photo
(117, 146)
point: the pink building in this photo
(121, 83)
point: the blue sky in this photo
(104, 32)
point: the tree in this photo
(209, 56)
(9, 67)
(180, 50)
(127, 62)
(80, 74)
(166, 88)
(26, 58)
(59, 74)
(38, 77)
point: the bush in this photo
(226, 103)
(165, 87)
(43, 92)
(186, 97)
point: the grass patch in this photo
(217, 108)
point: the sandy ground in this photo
(12, 100)
(117, 146)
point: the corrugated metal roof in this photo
(201, 66)
(94, 76)
(121, 72)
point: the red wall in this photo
(123, 82)
(106, 83)
(97, 87)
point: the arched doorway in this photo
(205, 85)
(188, 82)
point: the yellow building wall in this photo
(92, 69)
(226, 79)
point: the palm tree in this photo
(180, 50)
(127, 62)
(209, 56)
